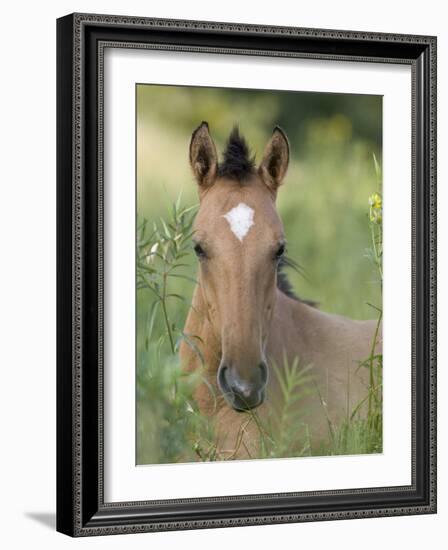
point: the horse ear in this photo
(275, 160)
(203, 157)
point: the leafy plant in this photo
(359, 433)
(160, 256)
(284, 433)
(170, 426)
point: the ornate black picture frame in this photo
(81, 509)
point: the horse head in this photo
(239, 241)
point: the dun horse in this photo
(243, 311)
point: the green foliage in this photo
(363, 434)
(323, 208)
(169, 425)
(285, 433)
(169, 422)
(159, 259)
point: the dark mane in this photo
(237, 162)
(284, 285)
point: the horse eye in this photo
(199, 251)
(280, 251)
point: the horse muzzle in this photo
(243, 393)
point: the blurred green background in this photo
(323, 202)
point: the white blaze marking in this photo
(241, 219)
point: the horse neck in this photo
(315, 336)
(286, 335)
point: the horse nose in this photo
(243, 393)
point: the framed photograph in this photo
(246, 274)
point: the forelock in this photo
(237, 162)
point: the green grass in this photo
(325, 211)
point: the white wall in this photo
(27, 289)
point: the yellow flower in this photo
(375, 201)
(376, 211)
